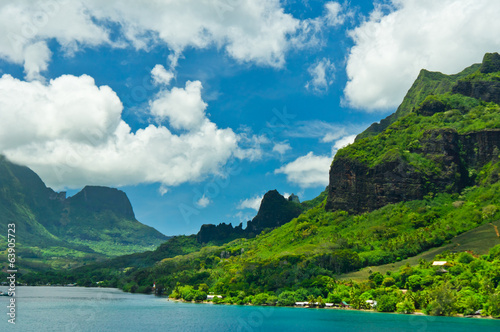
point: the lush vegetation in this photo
(465, 285)
(402, 139)
(427, 83)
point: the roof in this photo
(439, 263)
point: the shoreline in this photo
(416, 313)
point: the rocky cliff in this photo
(98, 199)
(274, 211)
(439, 159)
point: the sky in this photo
(197, 108)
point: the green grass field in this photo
(478, 240)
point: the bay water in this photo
(105, 309)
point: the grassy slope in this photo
(478, 240)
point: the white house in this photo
(439, 263)
(211, 297)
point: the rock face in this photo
(357, 188)
(221, 233)
(275, 210)
(99, 199)
(480, 147)
(484, 90)
(487, 90)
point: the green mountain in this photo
(56, 231)
(428, 176)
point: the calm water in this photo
(90, 309)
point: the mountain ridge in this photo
(95, 223)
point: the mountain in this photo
(427, 83)
(274, 211)
(97, 222)
(439, 146)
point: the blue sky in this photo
(196, 109)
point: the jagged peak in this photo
(490, 64)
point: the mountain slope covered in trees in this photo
(55, 231)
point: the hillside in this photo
(55, 231)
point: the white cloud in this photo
(281, 147)
(203, 202)
(161, 75)
(36, 60)
(313, 171)
(251, 203)
(322, 73)
(307, 171)
(344, 141)
(184, 108)
(243, 217)
(71, 133)
(334, 14)
(26, 26)
(256, 31)
(163, 190)
(390, 49)
(324, 131)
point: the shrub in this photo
(387, 303)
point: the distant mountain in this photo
(274, 211)
(95, 223)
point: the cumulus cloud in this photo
(257, 31)
(307, 171)
(161, 75)
(71, 133)
(251, 203)
(388, 52)
(183, 107)
(36, 60)
(322, 73)
(26, 26)
(311, 170)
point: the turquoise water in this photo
(94, 309)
